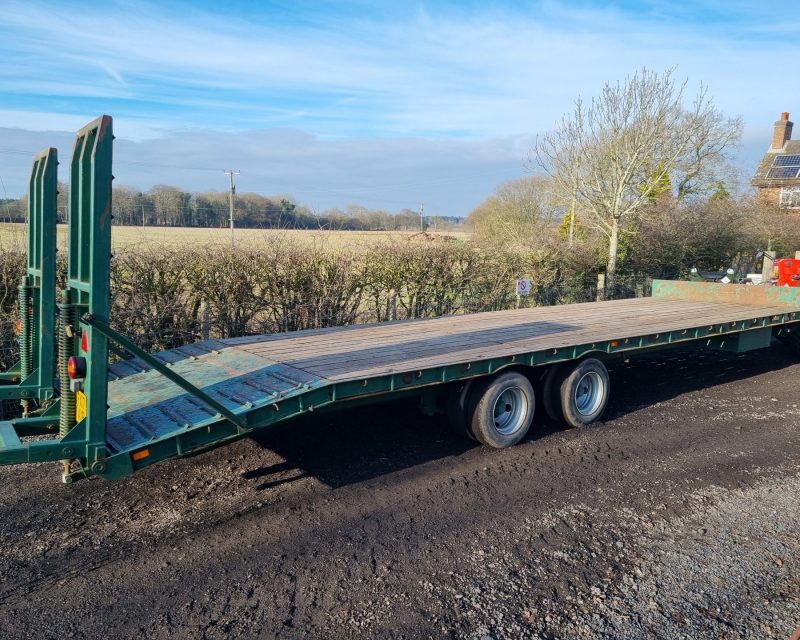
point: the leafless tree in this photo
(611, 156)
(705, 165)
(518, 212)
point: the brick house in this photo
(778, 175)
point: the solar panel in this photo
(784, 172)
(787, 161)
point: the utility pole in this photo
(422, 218)
(232, 173)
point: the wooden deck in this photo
(255, 373)
(364, 351)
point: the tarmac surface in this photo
(677, 517)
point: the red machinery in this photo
(786, 272)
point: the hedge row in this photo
(163, 297)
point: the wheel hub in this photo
(510, 410)
(589, 393)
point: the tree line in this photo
(664, 239)
(165, 205)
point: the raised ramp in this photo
(145, 406)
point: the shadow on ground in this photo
(661, 376)
(351, 446)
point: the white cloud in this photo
(457, 73)
(450, 97)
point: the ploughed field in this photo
(12, 234)
(677, 517)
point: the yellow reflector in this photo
(80, 406)
(140, 455)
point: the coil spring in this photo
(66, 347)
(25, 339)
(25, 343)
(33, 340)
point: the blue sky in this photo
(384, 104)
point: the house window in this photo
(790, 197)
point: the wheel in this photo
(457, 409)
(500, 409)
(584, 392)
(550, 397)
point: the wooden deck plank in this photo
(330, 343)
(459, 323)
(533, 326)
(528, 332)
(276, 337)
(369, 350)
(422, 358)
(402, 326)
(590, 333)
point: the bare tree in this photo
(611, 156)
(519, 211)
(704, 167)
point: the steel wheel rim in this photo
(510, 410)
(589, 393)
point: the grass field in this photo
(13, 236)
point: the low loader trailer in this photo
(485, 371)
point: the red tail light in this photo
(76, 367)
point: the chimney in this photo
(783, 131)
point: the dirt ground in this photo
(678, 517)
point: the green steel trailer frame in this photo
(32, 377)
(484, 370)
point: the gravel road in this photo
(678, 517)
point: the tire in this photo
(457, 400)
(551, 398)
(500, 409)
(584, 392)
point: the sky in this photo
(388, 105)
